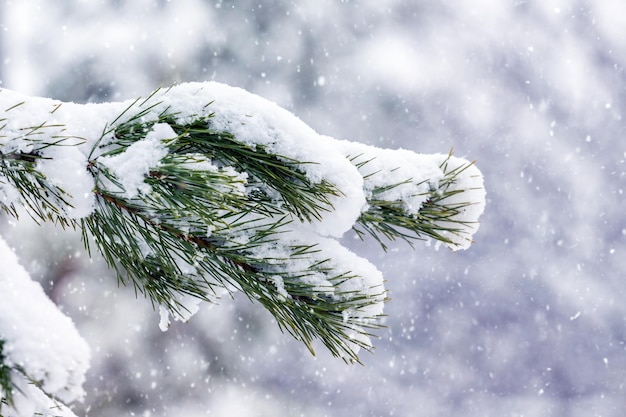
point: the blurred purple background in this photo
(530, 321)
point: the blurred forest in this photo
(530, 321)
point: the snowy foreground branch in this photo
(198, 191)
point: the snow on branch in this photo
(415, 196)
(203, 189)
(43, 359)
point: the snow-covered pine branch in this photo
(203, 189)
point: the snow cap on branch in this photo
(415, 180)
(256, 121)
(39, 343)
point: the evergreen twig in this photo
(18, 169)
(197, 231)
(215, 216)
(436, 219)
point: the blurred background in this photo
(530, 321)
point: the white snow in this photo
(471, 182)
(133, 165)
(417, 175)
(188, 306)
(364, 278)
(65, 167)
(31, 401)
(37, 336)
(256, 121)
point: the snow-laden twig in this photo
(202, 189)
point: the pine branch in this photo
(437, 218)
(197, 231)
(19, 173)
(202, 190)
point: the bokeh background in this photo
(531, 321)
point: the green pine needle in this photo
(388, 220)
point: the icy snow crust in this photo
(87, 129)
